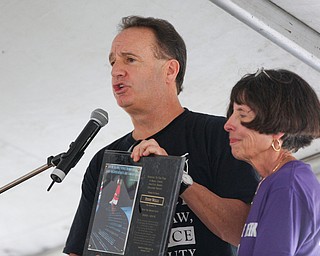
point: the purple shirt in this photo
(285, 215)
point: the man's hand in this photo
(145, 148)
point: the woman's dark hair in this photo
(282, 102)
(170, 43)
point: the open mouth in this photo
(118, 87)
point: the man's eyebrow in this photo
(123, 54)
(110, 56)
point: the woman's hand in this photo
(145, 148)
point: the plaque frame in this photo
(138, 219)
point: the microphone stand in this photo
(51, 161)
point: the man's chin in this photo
(123, 104)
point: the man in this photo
(148, 59)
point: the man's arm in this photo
(225, 217)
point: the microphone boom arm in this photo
(65, 161)
(51, 162)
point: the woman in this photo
(271, 115)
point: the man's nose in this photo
(117, 69)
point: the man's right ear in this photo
(173, 68)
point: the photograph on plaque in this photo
(114, 208)
(134, 205)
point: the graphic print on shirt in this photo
(250, 229)
(184, 234)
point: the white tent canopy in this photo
(54, 72)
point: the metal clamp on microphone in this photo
(68, 160)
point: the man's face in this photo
(138, 77)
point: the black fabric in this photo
(211, 164)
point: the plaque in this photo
(134, 205)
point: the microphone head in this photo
(100, 116)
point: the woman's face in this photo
(246, 144)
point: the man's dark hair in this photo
(170, 43)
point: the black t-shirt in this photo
(211, 164)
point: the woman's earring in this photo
(274, 147)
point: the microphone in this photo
(98, 119)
